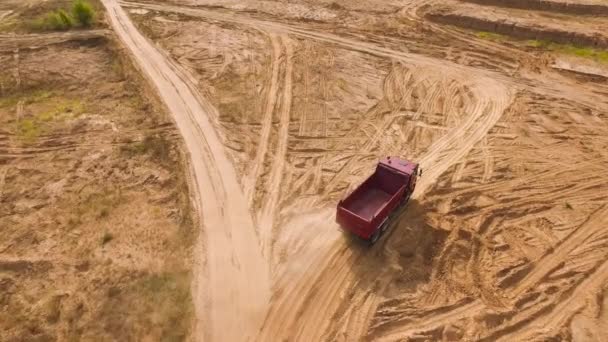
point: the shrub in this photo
(83, 13)
(58, 20)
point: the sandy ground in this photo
(506, 238)
(96, 232)
(285, 106)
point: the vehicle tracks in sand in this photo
(232, 287)
(597, 221)
(563, 312)
(270, 206)
(347, 43)
(303, 309)
(541, 269)
(271, 101)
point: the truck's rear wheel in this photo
(374, 238)
(378, 233)
(405, 199)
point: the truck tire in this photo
(379, 232)
(374, 238)
(405, 199)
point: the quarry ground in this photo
(284, 108)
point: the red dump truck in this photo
(368, 210)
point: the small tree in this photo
(83, 12)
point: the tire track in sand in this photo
(304, 308)
(271, 101)
(543, 267)
(270, 206)
(232, 289)
(597, 221)
(464, 72)
(564, 311)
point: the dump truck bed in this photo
(369, 203)
(367, 208)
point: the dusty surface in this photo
(507, 236)
(95, 227)
(234, 290)
(286, 106)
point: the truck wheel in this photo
(374, 238)
(405, 199)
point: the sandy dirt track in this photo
(236, 282)
(506, 236)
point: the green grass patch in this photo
(38, 95)
(537, 43)
(490, 35)
(567, 49)
(58, 20)
(43, 109)
(28, 97)
(572, 50)
(8, 25)
(64, 109)
(28, 129)
(82, 14)
(585, 52)
(10, 101)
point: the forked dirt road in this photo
(507, 233)
(233, 290)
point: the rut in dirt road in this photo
(232, 288)
(271, 101)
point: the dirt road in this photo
(233, 280)
(500, 232)
(490, 100)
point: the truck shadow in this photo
(402, 258)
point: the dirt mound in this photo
(560, 6)
(522, 29)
